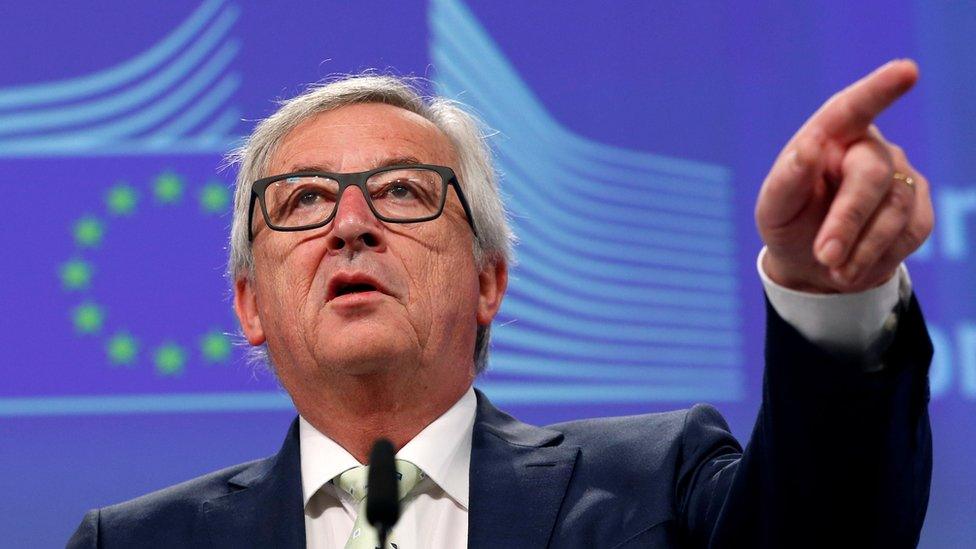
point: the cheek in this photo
(289, 275)
(447, 278)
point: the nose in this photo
(354, 227)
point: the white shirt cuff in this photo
(846, 323)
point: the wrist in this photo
(787, 278)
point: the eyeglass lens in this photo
(401, 195)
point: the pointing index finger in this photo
(849, 113)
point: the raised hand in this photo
(842, 207)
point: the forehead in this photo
(360, 137)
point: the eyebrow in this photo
(389, 161)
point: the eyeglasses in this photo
(404, 193)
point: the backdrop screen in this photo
(123, 370)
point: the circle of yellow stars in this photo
(76, 274)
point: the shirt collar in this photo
(322, 459)
(442, 450)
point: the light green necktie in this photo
(353, 481)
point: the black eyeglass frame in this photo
(358, 179)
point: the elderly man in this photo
(369, 255)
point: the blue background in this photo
(661, 119)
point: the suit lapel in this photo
(519, 475)
(265, 508)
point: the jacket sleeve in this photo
(87, 533)
(840, 455)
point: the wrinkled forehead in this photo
(360, 137)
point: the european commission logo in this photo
(626, 286)
(625, 289)
(121, 212)
(175, 97)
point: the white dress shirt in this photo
(846, 323)
(436, 512)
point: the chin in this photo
(358, 357)
(367, 339)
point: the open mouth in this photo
(354, 288)
(350, 284)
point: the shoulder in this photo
(156, 515)
(662, 437)
(661, 426)
(641, 465)
(190, 493)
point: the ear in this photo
(246, 307)
(492, 280)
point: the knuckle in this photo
(878, 173)
(921, 232)
(917, 234)
(866, 254)
(901, 202)
(803, 155)
(877, 240)
(809, 148)
(855, 217)
(913, 238)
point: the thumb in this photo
(790, 183)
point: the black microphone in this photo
(382, 496)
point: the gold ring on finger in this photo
(909, 180)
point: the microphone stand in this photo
(383, 496)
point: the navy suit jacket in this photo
(838, 457)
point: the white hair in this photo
(494, 239)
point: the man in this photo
(369, 255)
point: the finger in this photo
(787, 188)
(914, 234)
(878, 274)
(922, 219)
(880, 234)
(848, 114)
(867, 170)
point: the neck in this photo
(355, 411)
